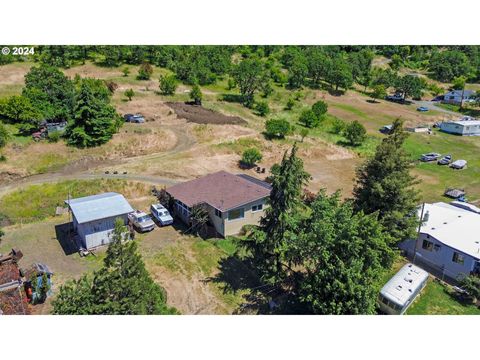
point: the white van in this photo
(400, 291)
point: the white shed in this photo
(94, 217)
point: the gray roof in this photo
(101, 206)
(466, 93)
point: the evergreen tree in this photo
(94, 120)
(121, 287)
(270, 242)
(343, 255)
(384, 186)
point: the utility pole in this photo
(418, 233)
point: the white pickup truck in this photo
(162, 215)
(141, 221)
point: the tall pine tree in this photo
(384, 186)
(121, 287)
(94, 119)
(278, 229)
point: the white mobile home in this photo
(449, 240)
(400, 291)
(465, 127)
(94, 217)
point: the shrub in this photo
(129, 93)
(290, 104)
(262, 108)
(145, 71)
(355, 133)
(126, 71)
(337, 126)
(251, 156)
(309, 119)
(168, 84)
(54, 136)
(196, 95)
(320, 108)
(277, 128)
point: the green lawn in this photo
(437, 299)
(475, 112)
(436, 178)
(38, 202)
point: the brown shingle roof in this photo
(222, 190)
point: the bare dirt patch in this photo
(200, 115)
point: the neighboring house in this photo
(449, 240)
(13, 299)
(94, 217)
(466, 126)
(232, 201)
(455, 96)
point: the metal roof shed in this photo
(94, 217)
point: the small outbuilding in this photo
(94, 217)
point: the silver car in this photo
(141, 221)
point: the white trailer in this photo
(400, 291)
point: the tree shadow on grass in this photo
(462, 299)
(238, 274)
(232, 98)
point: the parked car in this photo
(458, 164)
(134, 118)
(447, 159)
(161, 214)
(422, 109)
(430, 157)
(141, 221)
(395, 98)
(455, 193)
(386, 129)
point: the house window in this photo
(458, 258)
(427, 245)
(436, 247)
(236, 214)
(218, 213)
(257, 207)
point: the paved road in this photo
(432, 105)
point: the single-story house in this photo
(449, 239)
(466, 126)
(455, 96)
(232, 201)
(94, 217)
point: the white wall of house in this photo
(442, 256)
(251, 216)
